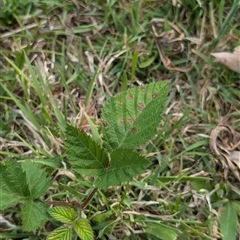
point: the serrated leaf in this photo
(14, 179)
(131, 118)
(161, 231)
(61, 233)
(228, 222)
(34, 215)
(83, 229)
(63, 214)
(125, 164)
(37, 179)
(84, 154)
(7, 197)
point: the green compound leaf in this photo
(125, 164)
(131, 118)
(83, 229)
(8, 197)
(63, 214)
(34, 215)
(61, 233)
(37, 179)
(13, 178)
(228, 222)
(85, 155)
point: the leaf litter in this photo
(225, 142)
(171, 39)
(229, 59)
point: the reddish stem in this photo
(74, 203)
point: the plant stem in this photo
(71, 204)
(74, 203)
(88, 198)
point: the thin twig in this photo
(88, 198)
(74, 203)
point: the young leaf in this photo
(125, 164)
(228, 222)
(83, 229)
(37, 180)
(61, 233)
(34, 215)
(131, 118)
(63, 214)
(14, 179)
(84, 154)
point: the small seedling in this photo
(129, 120)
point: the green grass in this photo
(54, 73)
